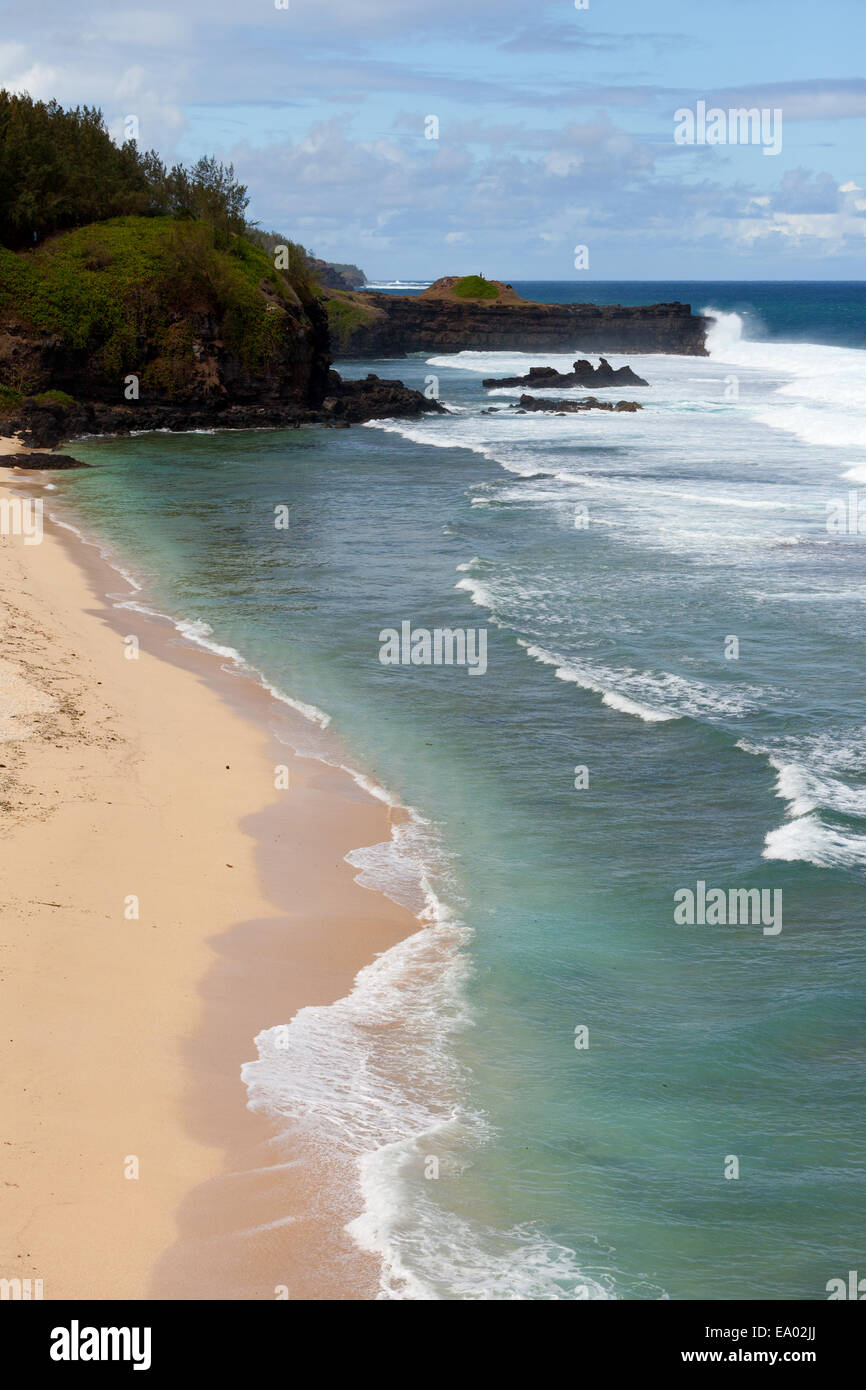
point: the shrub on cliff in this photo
(299, 268)
(136, 294)
(345, 313)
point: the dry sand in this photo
(148, 785)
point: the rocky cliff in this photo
(338, 277)
(144, 323)
(370, 324)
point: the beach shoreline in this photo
(166, 902)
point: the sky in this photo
(555, 125)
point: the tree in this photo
(61, 169)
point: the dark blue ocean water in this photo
(674, 695)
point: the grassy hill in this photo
(156, 297)
(471, 289)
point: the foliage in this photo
(476, 287)
(54, 398)
(299, 267)
(146, 285)
(344, 314)
(60, 169)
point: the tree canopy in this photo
(60, 169)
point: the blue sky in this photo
(555, 125)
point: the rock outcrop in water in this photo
(570, 407)
(584, 374)
(373, 398)
(370, 324)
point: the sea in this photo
(563, 1086)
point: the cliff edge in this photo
(154, 323)
(473, 314)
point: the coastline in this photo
(154, 778)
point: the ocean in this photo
(558, 1089)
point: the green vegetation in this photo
(136, 286)
(61, 169)
(288, 256)
(134, 266)
(344, 314)
(11, 398)
(55, 398)
(476, 287)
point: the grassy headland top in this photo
(471, 288)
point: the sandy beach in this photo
(163, 903)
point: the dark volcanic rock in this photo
(220, 389)
(374, 399)
(45, 424)
(570, 407)
(584, 374)
(43, 461)
(392, 325)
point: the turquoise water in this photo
(566, 1172)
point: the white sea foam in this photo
(309, 711)
(806, 790)
(811, 840)
(375, 1074)
(648, 491)
(376, 1066)
(504, 363)
(199, 632)
(724, 334)
(833, 593)
(480, 594)
(592, 680)
(428, 1259)
(800, 542)
(655, 697)
(830, 752)
(398, 284)
(822, 395)
(807, 778)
